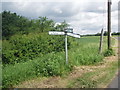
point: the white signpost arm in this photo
(56, 33)
(73, 35)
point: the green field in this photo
(83, 51)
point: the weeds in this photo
(109, 52)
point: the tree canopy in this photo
(15, 24)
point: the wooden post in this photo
(109, 23)
(101, 41)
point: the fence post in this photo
(101, 41)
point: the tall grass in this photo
(83, 51)
(52, 64)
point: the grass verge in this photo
(53, 64)
(96, 79)
(99, 77)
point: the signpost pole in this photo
(65, 33)
(66, 51)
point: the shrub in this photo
(48, 65)
(21, 48)
(109, 52)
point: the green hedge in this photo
(21, 48)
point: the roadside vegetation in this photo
(96, 79)
(53, 64)
(1, 63)
(29, 52)
(100, 74)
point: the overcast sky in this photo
(85, 16)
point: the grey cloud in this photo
(65, 8)
(59, 11)
(10, 6)
(7, 5)
(96, 7)
(48, 10)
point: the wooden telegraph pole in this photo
(109, 24)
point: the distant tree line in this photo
(116, 33)
(105, 34)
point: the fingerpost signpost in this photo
(66, 32)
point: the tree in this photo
(45, 24)
(13, 23)
(105, 33)
(116, 33)
(62, 26)
(98, 34)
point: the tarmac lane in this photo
(116, 81)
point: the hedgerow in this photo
(52, 64)
(83, 51)
(20, 48)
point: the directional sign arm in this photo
(63, 33)
(56, 33)
(73, 35)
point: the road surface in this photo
(116, 81)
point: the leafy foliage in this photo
(13, 24)
(21, 48)
(62, 26)
(109, 52)
(25, 39)
(52, 64)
